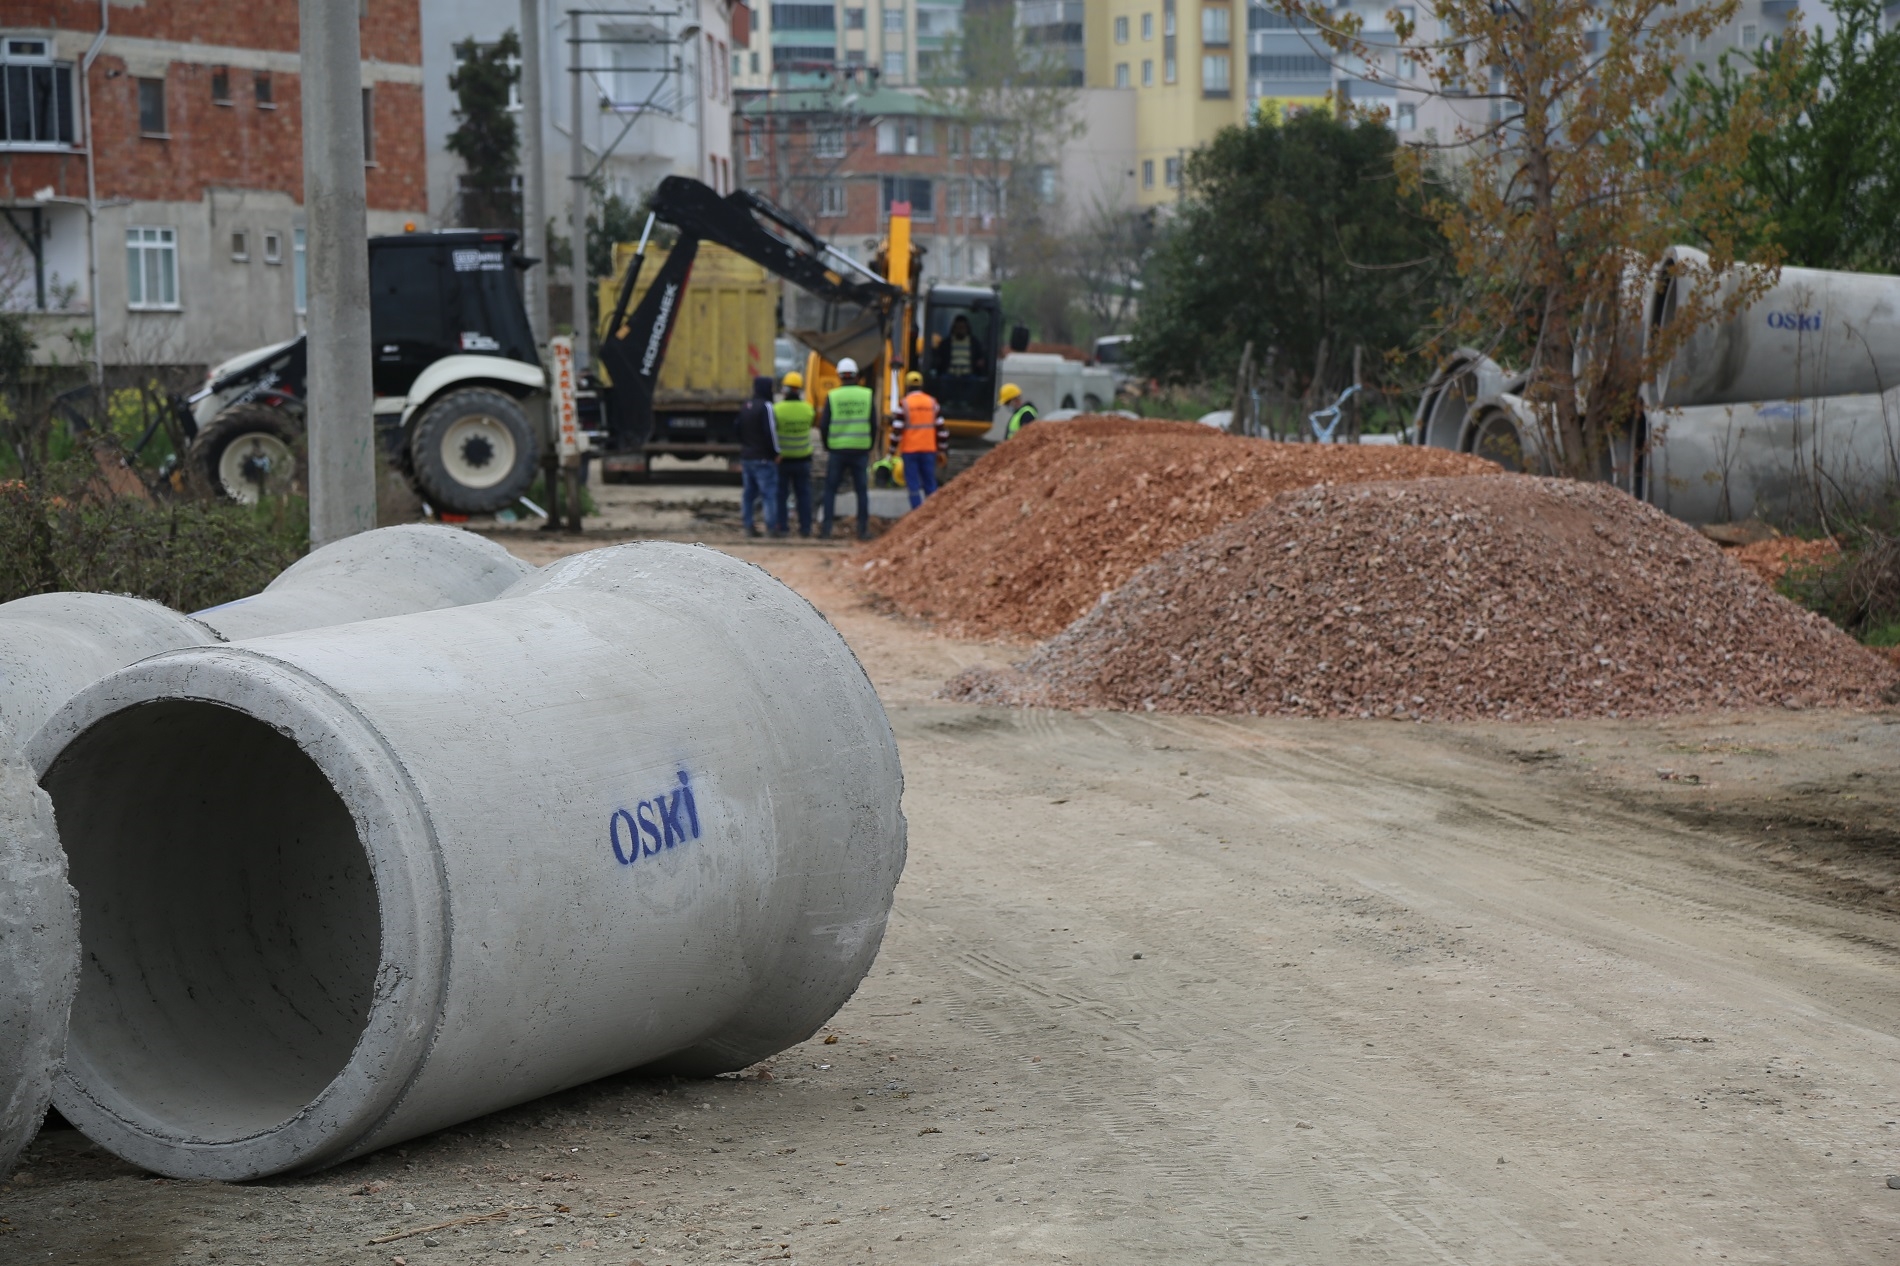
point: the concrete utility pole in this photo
(338, 416)
(577, 195)
(534, 215)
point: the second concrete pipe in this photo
(343, 888)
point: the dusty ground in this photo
(1184, 990)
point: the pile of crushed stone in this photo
(1502, 598)
(1033, 534)
(1773, 559)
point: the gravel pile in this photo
(1032, 535)
(1505, 598)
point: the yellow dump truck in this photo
(721, 340)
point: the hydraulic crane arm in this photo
(634, 347)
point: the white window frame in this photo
(831, 200)
(1121, 29)
(827, 142)
(300, 281)
(1122, 78)
(1216, 66)
(1147, 26)
(241, 246)
(273, 248)
(160, 243)
(1405, 117)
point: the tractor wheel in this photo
(248, 451)
(473, 452)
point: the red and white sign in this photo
(567, 418)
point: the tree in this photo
(485, 136)
(1569, 196)
(1828, 173)
(1012, 107)
(1289, 234)
(1107, 257)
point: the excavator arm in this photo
(635, 344)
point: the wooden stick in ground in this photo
(498, 1215)
(1237, 419)
(1352, 418)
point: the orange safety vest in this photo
(920, 424)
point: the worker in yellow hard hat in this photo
(794, 417)
(1022, 415)
(919, 435)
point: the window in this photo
(1171, 173)
(1147, 73)
(1214, 75)
(755, 62)
(894, 21)
(1748, 35)
(1121, 74)
(854, 19)
(240, 246)
(152, 107)
(828, 142)
(1167, 17)
(831, 200)
(894, 64)
(1215, 21)
(804, 17)
(1408, 69)
(36, 95)
(1046, 183)
(1288, 66)
(274, 247)
(905, 136)
(914, 191)
(1405, 118)
(220, 86)
(1168, 70)
(1121, 30)
(1147, 173)
(1147, 26)
(261, 92)
(300, 286)
(369, 126)
(754, 143)
(151, 268)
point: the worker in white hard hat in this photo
(1021, 415)
(845, 426)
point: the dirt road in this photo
(1198, 990)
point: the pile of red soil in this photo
(1773, 559)
(1508, 598)
(1032, 535)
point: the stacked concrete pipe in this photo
(1812, 333)
(1444, 415)
(344, 887)
(54, 645)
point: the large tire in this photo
(473, 451)
(248, 451)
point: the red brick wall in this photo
(230, 146)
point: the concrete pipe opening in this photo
(234, 993)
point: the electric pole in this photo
(338, 418)
(534, 216)
(577, 195)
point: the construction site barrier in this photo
(344, 887)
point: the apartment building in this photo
(185, 114)
(800, 43)
(656, 99)
(839, 160)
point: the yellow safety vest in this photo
(850, 407)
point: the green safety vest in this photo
(850, 418)
(1020, 419)
(794, 428)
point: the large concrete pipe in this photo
(54, 645)
(344, 887)
(391, 571)
(1784, 461)
(1466, 377)
(39, 954)
(1504, 429)
(1814, 333)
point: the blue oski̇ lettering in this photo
(669, 819)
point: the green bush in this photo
(66, 531)
(1858, 590)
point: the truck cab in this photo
(961, 329)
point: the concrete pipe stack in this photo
(345, 886)
(52, 646)
(1787, 407)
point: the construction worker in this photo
(919, 435)
(1021, 415)
(758, 458)
(961, 355)
(794, 417)
(845, 426)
